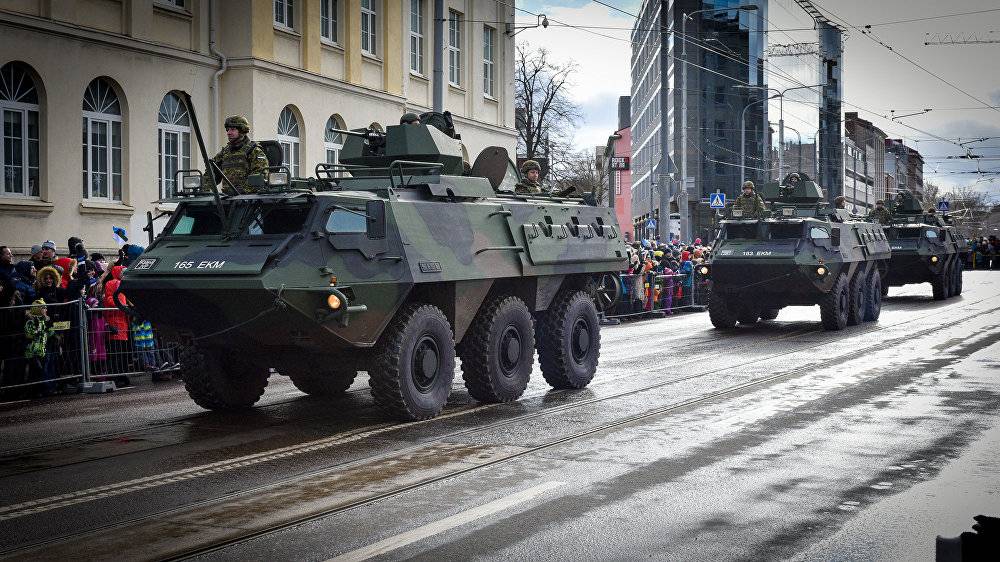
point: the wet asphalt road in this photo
(774, 442)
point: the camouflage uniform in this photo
(240, 158)
(752, 206)
(880, 215)
(526, 186)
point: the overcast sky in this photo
(876, 80)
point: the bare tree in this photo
(969, 209)
(545, 116)
(583, 172)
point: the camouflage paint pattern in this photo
(916, 237)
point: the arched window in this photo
(332, 141)
(19, 144)
(173, 134)
(102, 142)
(288, 138)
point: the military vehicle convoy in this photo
(925, 249)
(392, 262)
(803, 251)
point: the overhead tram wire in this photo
(942, 16)
(869, 34)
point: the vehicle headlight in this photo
(934, 259)
(704, 270)
(277, 178)
(333, 301)
(821, 271)
(191, 183)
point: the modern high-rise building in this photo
(94, 128)
(724, 50)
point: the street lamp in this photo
(743, 138)
(684, 103)
(781, 115)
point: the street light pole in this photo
(781, 118)
(743, 139)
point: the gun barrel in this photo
(366, 133)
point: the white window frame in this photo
(332, 145)
(91, 118)
(328, 31)
(454, 48)
(284, 14)
(183, 155)
(489, 61)
(369, 19)
(290, 145)
(417, 37)
(176, 4)
(24, 109)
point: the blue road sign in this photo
(651, 224)
(717, 200)
(943, 206)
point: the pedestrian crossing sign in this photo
(717, 200)
(943, 206)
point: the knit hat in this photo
(36, 248)
(48, 244)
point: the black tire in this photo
(748, 316)
(569, 340)
(885, 289)
(873, 305)
(721, 312)
(498, 351)
(769, 313)
(956, 286)
(323, 383)
(221, 384)
(939, 286)
(833, 306)
(414, 364)
(858, 293)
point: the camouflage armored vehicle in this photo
(801, 252)
(925, 248)
(392, 262)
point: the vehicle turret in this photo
(413, 143)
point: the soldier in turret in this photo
(880, 214)
(530, 184)
(240, 158)
(409, 118)
(749, 202)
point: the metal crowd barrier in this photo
(654, 294)
(83, 346)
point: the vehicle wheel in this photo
(569, 340)
(322, 382)
(873, 305)
(769, 313)
(498, 351)
(217, 384)
(833, 306)
(607, 292)
(885, 288)
(721, 312)
(858, 295)
(748, 316)
(414, 365)
(939, 286)
(956, 286)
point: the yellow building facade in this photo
(94, 129)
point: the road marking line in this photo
(446, 524)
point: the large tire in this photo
(873, 305)
(221, 384)
(414, 364)
(324, 382)
(939, 286)
(498, 351)
(721, 312)
(748, 316)
(956, 286)
(858, 293)
(569, 340)
(769, 313)
(833, 306)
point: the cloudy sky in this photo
(877, 80)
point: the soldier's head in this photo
(880, 204)
(531, 170)
(747, 187)
(409, 118)
(840, 202)
(236, 126)
(793, 179)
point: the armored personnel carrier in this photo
(802, 251)
(392, 262)
(925, 248)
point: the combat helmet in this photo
(239, 123)
(529, 165)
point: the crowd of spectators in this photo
(664, 276)
(40, 326)
(984, 253)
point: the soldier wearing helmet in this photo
(240, 158)
(530, 184)
(749, 202)
(409, 118)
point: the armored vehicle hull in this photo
(388, 266)
(801, 252)
(925, 249)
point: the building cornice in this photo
(79, 33)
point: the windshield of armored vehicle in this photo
(784, 231)
(740, 231)
(903, 233)
(245, 218)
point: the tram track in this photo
(665, 409)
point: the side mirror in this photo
(376, 219)
(835, 237)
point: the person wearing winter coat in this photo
(38, 330)
(118, 327)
